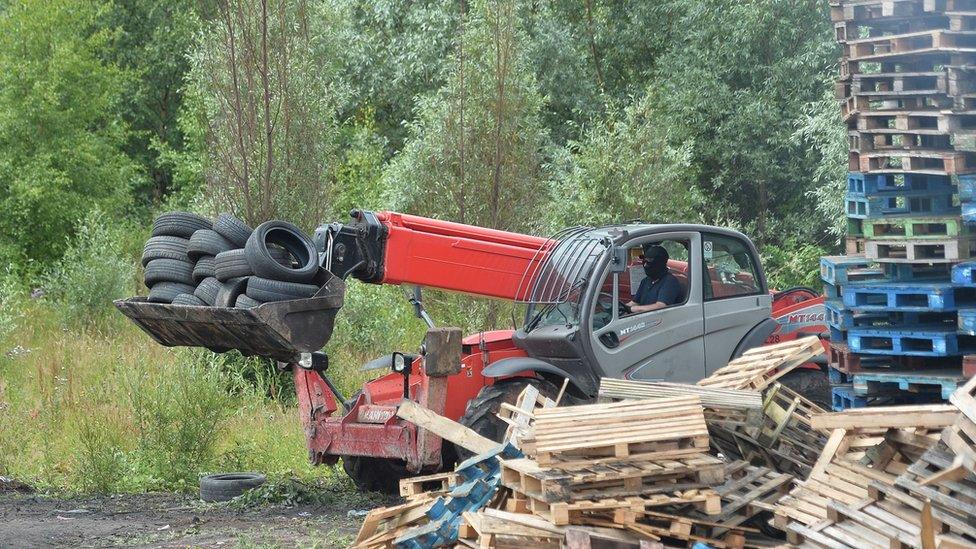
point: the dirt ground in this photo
(171, 520)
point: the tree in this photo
(152, 43)
(264, 73)
(476, 148)
(61, 137)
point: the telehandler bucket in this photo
(279, 330)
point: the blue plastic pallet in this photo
(964, 274)
(871, 183)
(841, 318)
(832, 291)
(925, 341)
(967, 209)
(918, 203)
(837, 377)
(966, 321)
(870, 383)
(967, 188)
(843, 269)
(913, 272)
(843, 398)
(908, 296)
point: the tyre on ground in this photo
(227, 486)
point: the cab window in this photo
(628, 283)
(730, 268)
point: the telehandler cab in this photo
(577, 326)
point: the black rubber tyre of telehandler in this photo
(811, 384)
(481, 413)
(376, 474)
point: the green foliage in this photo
(267, 86)
(476, 147)
(61, 136)
(99, 456)
(821, 132)
(625, 169)
(793, 263)
(94, 271)
(178, 421)
(12, 294)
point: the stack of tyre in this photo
(193, 261)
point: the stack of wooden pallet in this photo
(888, 477)
(898, 317)
(781, 436)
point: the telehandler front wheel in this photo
(481, 413)
(376, 474)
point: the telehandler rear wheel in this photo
(480, 414)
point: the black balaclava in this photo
(655, 262)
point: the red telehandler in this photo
(577, 327)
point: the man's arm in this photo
(668, 296)
(635, 308)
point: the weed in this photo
(292, 491)
(93, 272)
(99, 457)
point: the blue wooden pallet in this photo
(909, 272)
(837, 377)
(908, 296)
(871, 183)
(923, 341)
(964, 274)
(944, 382)
(843, 398)
(842, 269)
(861, 206)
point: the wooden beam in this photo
(445, 428)
(935, 416)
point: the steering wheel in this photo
(622, 307)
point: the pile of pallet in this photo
(897, 303)
(890, 477)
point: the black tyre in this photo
(266, 291)
(165, 247)
(481, 413)
(207, 290)
(244, 302)
(166, 292)
(289, 237)
(168, 270)
(811, 384)
(227, 486)
(376, 474)
(233, 229)
(205, 267)
(207, 242)
(229, 291)
(231, 264)
(188, 299)
(182, 224)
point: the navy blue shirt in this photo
(667, 290)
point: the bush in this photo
(93, 272)
(178, 415)
(11, 295)
(99, 458)
(793, 263)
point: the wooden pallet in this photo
(421, 486)
(612, 479)
(922, 161)
(757, 368)
(498, 529)
(640, 430)
(915, 228)
(381, 526)
(711, 397)
(940, 250)
(898, 45)
(748, 492)
(519, 416)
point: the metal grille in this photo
(552, 278)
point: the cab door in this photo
(666, 344)
(736, 298)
